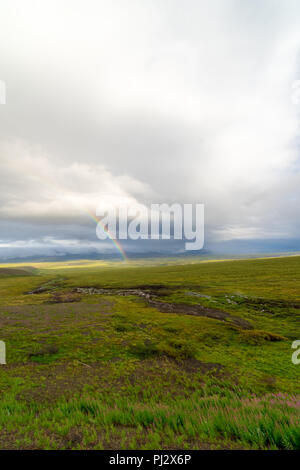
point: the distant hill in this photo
(23, 271)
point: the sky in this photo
(161, 101)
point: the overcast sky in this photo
(148, 101)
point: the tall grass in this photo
(254, 422)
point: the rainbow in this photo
(115, 242)
(93, 217)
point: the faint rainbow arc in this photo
(115, 242)
(92, 216)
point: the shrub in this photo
(44, 355)
(257, 337)
(174, 348)
(144, 349)
(177, 348)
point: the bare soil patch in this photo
(151, 293)
(200, 311)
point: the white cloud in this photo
(152, 102)
(32, 185)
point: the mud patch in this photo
(49, 286)
(151, 294)
(146, 292)
(200, 311)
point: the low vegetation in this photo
(123, 356)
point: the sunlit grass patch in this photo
(112, 371)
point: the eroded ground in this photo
(192, 356)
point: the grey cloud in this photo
(152, 101)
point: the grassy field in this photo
(164, 356)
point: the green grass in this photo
(93, 371)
